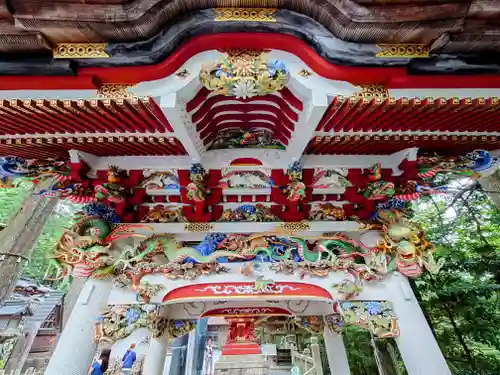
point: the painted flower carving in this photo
(244, 89)
(244, 76)
(243, 68)
(132, 315)
(374, 308)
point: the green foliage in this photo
(359, 351)
(12, 200)
(461, 302)
(60, 220)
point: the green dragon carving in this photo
(167, 245)
(261, 284)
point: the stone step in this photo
(279, 372)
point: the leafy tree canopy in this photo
(461, 302)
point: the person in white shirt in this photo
(209, 351)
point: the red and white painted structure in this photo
(320, 120)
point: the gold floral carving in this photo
(80, 51)
(246, 14)
(403, 51)
(198, 227)
(377, 92)
(115, 91)
(300, 226)
(244, 73)
(304, 73)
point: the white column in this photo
(76, 347)
(190, 353)
(492, 186)
(155, 358)
(335, 350)
(416, 343)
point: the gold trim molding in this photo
(80, 51)
(198, 227)
(246, 14)
(403, 51)
(377, 92)
(84, 139)
(300, 226)
(115, 91)
(402, 137)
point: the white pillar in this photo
(190, 353)
(335, 350)
(416, 343)
(76, 347)
(155, 358)
(492, 186)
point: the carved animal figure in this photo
(12, 166)
(173, 251)
(196, 191)
(296, 191)
(379, 190)
(405, 245)
(262, 284)
(161, 180)
(325, 179)
(328, 211)
(113, 190)
(476, 164)
(245, 179)
(85, 250)
(164, 216)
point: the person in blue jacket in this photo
(100, 366)
(129, 359)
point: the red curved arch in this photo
(245, 161)
(391, 77)
(223, 290)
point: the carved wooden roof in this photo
(454, 26)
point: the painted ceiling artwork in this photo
(239, 138)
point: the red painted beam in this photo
(391, 77)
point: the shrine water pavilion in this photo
(246, 162)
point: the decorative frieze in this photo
(406, 51)
(80, 51)
(198, 227)
(376, 316)
(301, 226)
(41, 139)
(246, 14)
(115, 91)
(377, 92)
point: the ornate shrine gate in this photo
(241, 176)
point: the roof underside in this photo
(461, 36)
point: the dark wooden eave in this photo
(458, 26)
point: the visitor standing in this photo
(209, 352)
(100, 366)
(129, 359)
